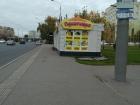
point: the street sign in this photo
(125, 9)
(124, 13)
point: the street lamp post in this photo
(60, 15)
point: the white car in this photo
(2, 41)
(10, 42)
(38, 42)
(131, 43)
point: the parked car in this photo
(2, 41)
(131, 44)
(38, 42)
(22, 42)
(10, 42)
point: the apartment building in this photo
(33, 34)
(6, 32)
(134, 24)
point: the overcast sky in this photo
(24, 15)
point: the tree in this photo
(47, 28)
(26, 37)
(132, 34)
(109, 32)
(109, 28)
(84, 14)
(51, 21)
(137, 38)
(43, 30)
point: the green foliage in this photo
(109, 32)
(134, 55)
(50, 24)
(47, 28)
(109, 29)
(43, 30)
(135, 38)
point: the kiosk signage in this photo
(80, 24)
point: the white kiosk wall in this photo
(94, 39)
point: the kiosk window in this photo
(85, 33)
(69, 32)
(77, 33)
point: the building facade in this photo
(33, 35)
(6, 32)
(134, 24)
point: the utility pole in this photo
(60, 15)
(124, 13)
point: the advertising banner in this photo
(68, 41)
(76, 41)
(84, 41)
(77, 33)
(68, 47)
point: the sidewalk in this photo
(49, 79)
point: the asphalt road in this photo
(9, 53)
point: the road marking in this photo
(1, 67)
(7, 86)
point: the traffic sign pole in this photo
(124, 13)
(121, 49)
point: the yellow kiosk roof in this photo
(77, 23)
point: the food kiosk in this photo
(78, 37)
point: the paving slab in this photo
(55, 80)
